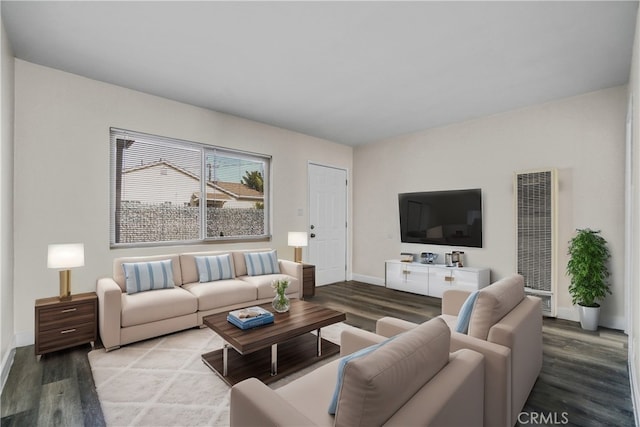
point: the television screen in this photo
(442, 217)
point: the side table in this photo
(63, 324)
(308, 280)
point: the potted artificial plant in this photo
(589, 273)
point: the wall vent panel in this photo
(536, 234)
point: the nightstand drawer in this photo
(56, 339)
(66, 315)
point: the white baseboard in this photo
(7, 362)
(633, 379)
(613, 322)
(368, 279)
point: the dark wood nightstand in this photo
(63, 324)
(308, 280)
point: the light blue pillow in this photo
(464, 316)
(147, 276)
(259, 263)
(215, 267)
(333, 405)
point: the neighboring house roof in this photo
(237, 190)
(165, 163)
(220, 190)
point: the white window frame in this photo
(204, 149)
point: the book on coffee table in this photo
(250, 317)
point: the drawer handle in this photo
(69, 310)
(67, 331)
(448, 279)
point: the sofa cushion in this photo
(493, 303)
(333, 404)
(221, 293)
(118, 271)
(239, 261)
(214, 267)
(147, 276)
(263, 284)
(259, 263)
(145, 307)
(309, 393)
(190, 269)
(464, 316)
(376, 385)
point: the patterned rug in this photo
(163, 381)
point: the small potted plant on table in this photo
(589, 273)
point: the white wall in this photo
(6, 207)
(62, 172)
(634, 233)
(583, 137)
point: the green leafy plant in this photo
(588, 268)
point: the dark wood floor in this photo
(584, 379)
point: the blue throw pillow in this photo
(333, 405)
(259, 263)
(216, 267)
(464, 316)
(146, 276)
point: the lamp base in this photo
(65, 285)
(297, 254)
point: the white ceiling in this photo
(350, 72)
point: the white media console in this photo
(433, 279)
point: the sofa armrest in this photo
(390, 326)
(497, 379)
(255, 404)
(521, 331)
(109, 312)
(452, 300)
(293, 269)
(352, 340)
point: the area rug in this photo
(163, 381)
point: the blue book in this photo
(250, 317)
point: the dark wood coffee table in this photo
(287, 341)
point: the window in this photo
(172, 191)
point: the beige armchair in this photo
(506, 327)
(410, 380)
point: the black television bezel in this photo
(451, 240)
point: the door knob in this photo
(312, 226)
(312, 235)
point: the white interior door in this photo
(328, 223)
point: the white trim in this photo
(628, 219)
(633, 379)
(368, 279)
(5, 368)
(612, 322)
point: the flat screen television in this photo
(451, 218)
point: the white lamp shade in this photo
(66, 256)
(297, 239)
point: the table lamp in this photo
(63, 257)
(297, 239)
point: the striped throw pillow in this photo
(212, 268)
(259, 263)
(147, 276)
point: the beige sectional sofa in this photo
(506, 327)
(129, 317)
(408, 381)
